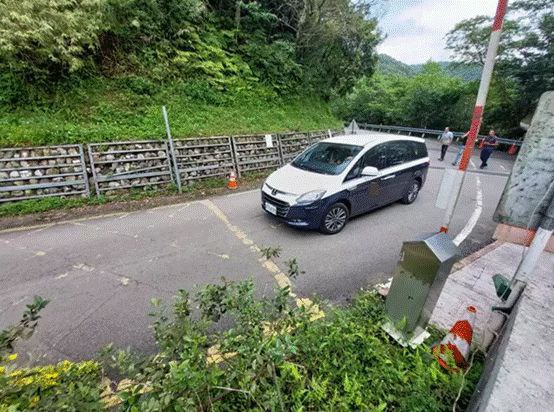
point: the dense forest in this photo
(82, 70)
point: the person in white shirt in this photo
(445, 139)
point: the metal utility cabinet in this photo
(418, 280)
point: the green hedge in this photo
(274, 357)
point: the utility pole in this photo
(478, 111)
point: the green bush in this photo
(65, 386)
(226, 350)
(42, 40)
(276, 357)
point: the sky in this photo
(415, 29)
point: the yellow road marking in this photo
(281, 279)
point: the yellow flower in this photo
(34, 401)
(12, 357)
(2, 370)
(51, 375)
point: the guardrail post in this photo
(172, 150)
(280, 146)
(235, 155)
(93, 170)
(84, 169)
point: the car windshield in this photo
(327, 158)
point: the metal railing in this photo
(426, 132)
(48, 171)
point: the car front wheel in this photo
(334, 219)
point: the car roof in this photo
(369, 138)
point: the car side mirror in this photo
(370, 171)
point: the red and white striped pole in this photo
(486, 77)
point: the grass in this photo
(120, 109)
(27, 207)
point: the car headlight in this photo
(310, 197)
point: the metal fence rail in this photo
(292, 144)
(425, 132)
(202, 158)
(253, 154)
(127, 165)
(42, 171)
(47, 171)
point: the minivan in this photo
(345, 176)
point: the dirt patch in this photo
(60, 215)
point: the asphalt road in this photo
(101, 273)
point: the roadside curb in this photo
(462, 263)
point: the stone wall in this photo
(202, 158)
(292, 144)
(253, 154)
(29, 173)
(113, 167)
(125, 165)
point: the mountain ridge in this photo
(389, 65)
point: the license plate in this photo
(271, 208)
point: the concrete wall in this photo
(530, 188)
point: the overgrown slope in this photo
(130, 108)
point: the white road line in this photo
(243, 193)
(473, 164)
(503, 168)
(474, 216)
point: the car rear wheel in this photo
(411, 194)
(335, 219)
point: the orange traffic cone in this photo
(512, 150)
(232, 184)
(457, 342)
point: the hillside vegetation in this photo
(82, 70)
(130, 108)
(90, 70)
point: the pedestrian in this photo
(489, 144)
(445, 139)
(463, 140)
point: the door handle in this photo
(388, 177)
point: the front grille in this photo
(282, 206)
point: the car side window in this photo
(376, 157)
(356, 170)
(398, 153)
(417, 150)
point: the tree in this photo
(429, 97)
(41, 39)
(376, 99)
(335, 41)
(469, 39)
(526, 52)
